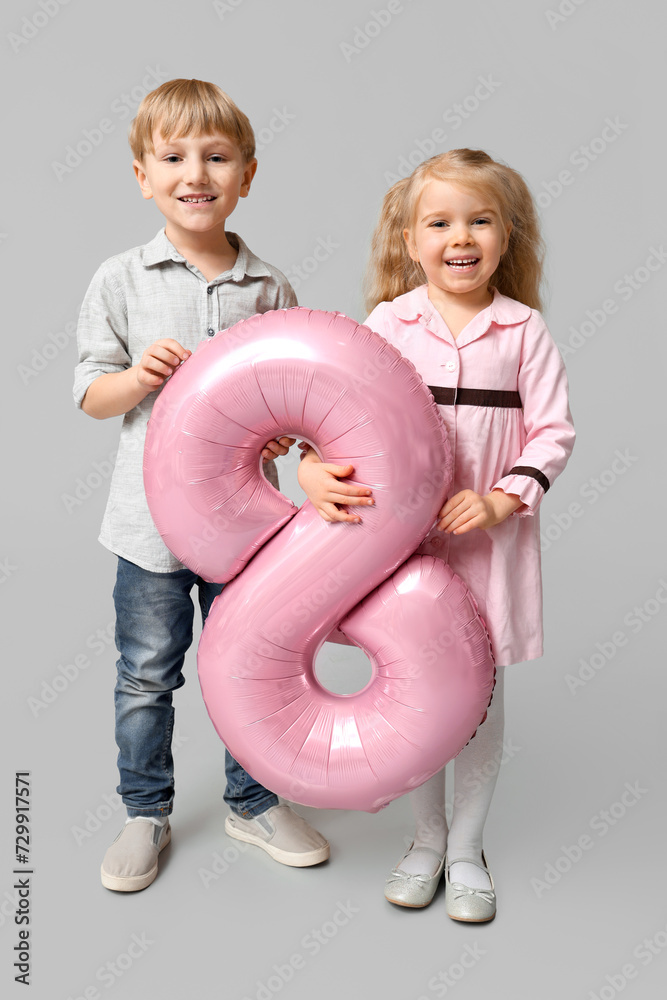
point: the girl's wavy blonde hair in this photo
(391, 271)
(189, 107)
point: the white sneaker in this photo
(131, 861)
(283, 834)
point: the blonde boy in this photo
(143, 315)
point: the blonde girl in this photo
(454, 284)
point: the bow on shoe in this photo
(464, 890)
(407, 877)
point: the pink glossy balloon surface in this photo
(322, 378)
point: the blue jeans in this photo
(154, 617)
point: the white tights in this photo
(473, 791)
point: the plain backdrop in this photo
(344, 97)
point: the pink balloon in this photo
(327, 380)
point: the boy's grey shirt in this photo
(146, 294)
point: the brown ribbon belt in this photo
(488, 397)
(475, 397)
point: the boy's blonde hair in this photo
(189, 107)
(391, 270)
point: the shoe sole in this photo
(412, 906)
(471, 920)
(132, 883)
(291, 858)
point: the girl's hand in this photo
(159, 361)
(272, 449)
(468, 510)
(319, 481)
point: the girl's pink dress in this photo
(502, 391)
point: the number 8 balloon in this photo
(295, 578)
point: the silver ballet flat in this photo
(473, 906)
(406, 889)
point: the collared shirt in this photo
(146, 294)
(512, 430)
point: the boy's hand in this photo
(159, 361)
(272, 449)
(114, 393)
(468, 510)
(319, 481)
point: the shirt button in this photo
(210, 331)
(210, 289)
(450, 366)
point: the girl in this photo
(454, 284)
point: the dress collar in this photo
(161, 249)
(503, 311)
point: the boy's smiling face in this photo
(196, 181)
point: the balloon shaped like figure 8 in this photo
(323, 378)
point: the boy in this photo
(142, 316)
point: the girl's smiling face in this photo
(458, 237)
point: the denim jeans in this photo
(154, 618)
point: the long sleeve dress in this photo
(502, 390)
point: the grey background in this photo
(351, 116)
